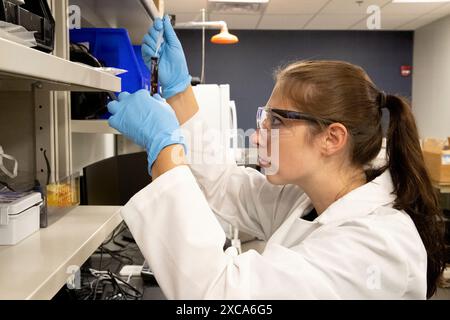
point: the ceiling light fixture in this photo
(420, 1)
(237, 6)
(224, 37)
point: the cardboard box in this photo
(437, 159)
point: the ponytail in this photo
(412, 185)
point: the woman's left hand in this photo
(148, 121)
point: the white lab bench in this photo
(39, 266)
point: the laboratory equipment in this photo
(154, 65)
(154, 76)
(147, 274)
(155, 59)
(12, 172)
(87, 105)
(64, 193)
(19, 215)
(33, 15)
(152, 10)
(115, 180)
(17, 34)
(216, 105)
(173, 72)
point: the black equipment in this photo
(34, 15)
(88, 105)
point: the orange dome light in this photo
(224, 37)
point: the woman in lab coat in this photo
(336, 228)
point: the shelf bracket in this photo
(44, 133)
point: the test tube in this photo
(154, 76)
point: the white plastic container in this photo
(19, 216)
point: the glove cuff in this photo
(180, 87)
(154, 150)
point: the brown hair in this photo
(344, 93)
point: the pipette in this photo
(159, 42)
(154, 66)
(154, 13)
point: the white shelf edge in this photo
(79, 232)
(92, 126)
(18, 62)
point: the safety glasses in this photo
(281, 120)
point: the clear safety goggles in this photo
(12, 173)
(282, 120)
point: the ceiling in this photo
(276, 15)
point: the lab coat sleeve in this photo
(182, 241)
(241, 196)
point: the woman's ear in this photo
(335, 139)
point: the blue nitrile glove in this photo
(148, 121)
(173, 71)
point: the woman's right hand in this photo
(173, 71)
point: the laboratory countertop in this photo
(39, 266)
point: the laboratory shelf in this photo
(92, 126)
(21, 67)
(39, 266)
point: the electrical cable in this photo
(101, 257)
(107, 284)
(120, 287)
(7, 186)
(48, 167)
(202, 76)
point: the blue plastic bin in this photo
(144, 70)
(113, 48)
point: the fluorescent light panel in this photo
(241, 1)
(419, 1)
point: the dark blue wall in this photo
(249, 65)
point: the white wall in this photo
(90, 148)
(431, 79)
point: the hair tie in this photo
(382, 97)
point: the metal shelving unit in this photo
(92, 126)
(39, 84)
(36, 127)
(21, 68)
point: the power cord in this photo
(105, 284)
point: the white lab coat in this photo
(359, 248)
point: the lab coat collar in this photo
(362, 201)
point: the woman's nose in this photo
(254, 138)
(260, 138)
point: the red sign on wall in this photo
(405, 71)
